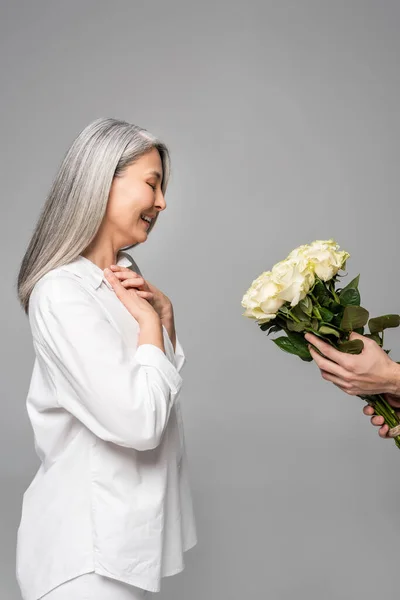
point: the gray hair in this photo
(76, 204)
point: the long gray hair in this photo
(76, 204)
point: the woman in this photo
(109, 511)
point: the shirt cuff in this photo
(152, 356)
(180, 357)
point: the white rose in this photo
(261, 300)
(326, 258)
(295, 278)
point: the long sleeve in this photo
(122, 395)
(180, 358)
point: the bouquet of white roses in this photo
(300, 295)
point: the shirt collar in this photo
(88, 270)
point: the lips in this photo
(147, 224)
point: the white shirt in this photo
(112, 494)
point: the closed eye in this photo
(153, 187)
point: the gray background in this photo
(283, 123)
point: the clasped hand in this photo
(137, 284)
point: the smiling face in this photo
(135, 200)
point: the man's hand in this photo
(371, 372)
(379, 421)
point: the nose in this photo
(160, 201)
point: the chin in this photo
(142, 236)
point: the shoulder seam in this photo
(59, 275)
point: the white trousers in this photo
(95, 587)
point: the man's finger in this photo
(328, 365)
(326, 349)
(356, 336)
(383, 432)
(343, 385)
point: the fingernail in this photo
(107, 271)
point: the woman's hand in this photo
(379, 421)
(133, 281)
(134, 300)
(136, 285)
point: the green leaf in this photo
(336, 308)
(285, 344)
(353, 285)
(275, 329)
(350, 297)
(314, 324)
(359, 330)
(325, 330)
(332, 289)
(336, 321)
(281, 321)
(299, 341)
(378, 324)
(299, 314)
(354, 317)
(267, 325)
(323, 293)
(326, 314)
(306, 305)
(292, 326)
(351, 346)
(308, 358)
(316, 313)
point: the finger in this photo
(377, 420)
(122, 272)
(356, 336)
(383, 431)
(344, 385)
(328, 365)
(368, 410)
(115, 283)
(327, 350)
(132, 282)
(120, 268)
(146, 295)
(366, 341)
(128, 275)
